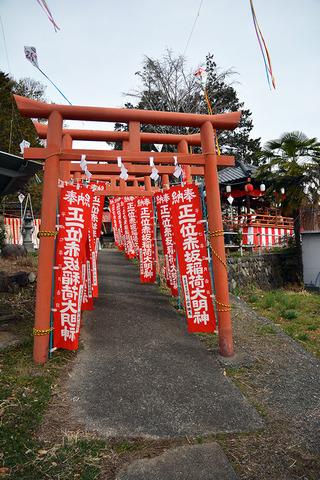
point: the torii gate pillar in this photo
(46, 248)
(217, 240)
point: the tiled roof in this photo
(238, 173)
(15, 172)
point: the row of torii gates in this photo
(61, 161)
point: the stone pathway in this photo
(196, 462)
(141, 374)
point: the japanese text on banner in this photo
(146, 239)
(186, 216)
(169, 250)
(75, 208)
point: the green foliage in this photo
(301, 308)
(290, 314)
(292, 162)
(167, 85)
(14, 128)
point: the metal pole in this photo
(46, 248)
(217, 240)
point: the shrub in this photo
(290, 314)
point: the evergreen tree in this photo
(166, 85)
(14, 128)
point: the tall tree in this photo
(165, 84)
(14, 128)
(293, 162)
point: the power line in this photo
(193, 27)
(5, 44)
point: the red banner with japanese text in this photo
(146, 239)
(131, 211)
(189, 236)
(75, 209)
(120, 235)
(169, 251)
(87, 299)
(96, 222)
(129, 246)
(114, 223)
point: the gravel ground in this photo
(282, 380)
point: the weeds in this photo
(296, 312)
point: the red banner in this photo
(169, 251)
(128, 246)
(186, 215)
(96, 222)
(114, 223)
(87, 300)
(131, 210)
(146, 240)
(119, 218)
(75, 209)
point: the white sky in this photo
(101, 45)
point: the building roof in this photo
(15, 172)
(239, 173)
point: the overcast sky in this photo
(101, 45)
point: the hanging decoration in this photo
(31, 55)
(177, 170)
(190, 241)
(146, 240)
(264, 49)
(75, 208)
(154, 172)
(169, 250)
(43, 4)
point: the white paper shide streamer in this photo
(154, 172)
(84, 166)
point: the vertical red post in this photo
(165, 181)
(147, 184)
(183, 148)
(46, 248)
(217, 240)
(134, 137)
(65, 164)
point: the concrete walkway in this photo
(141, 374)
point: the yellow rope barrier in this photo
(39, 331)
(219, 233)
(47, 233)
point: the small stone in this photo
(32, 277)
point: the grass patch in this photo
(295, 311)
(266, 330)
(25, 392)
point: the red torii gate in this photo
(59, 154)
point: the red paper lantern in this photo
(248, 187)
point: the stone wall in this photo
(267, 271)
